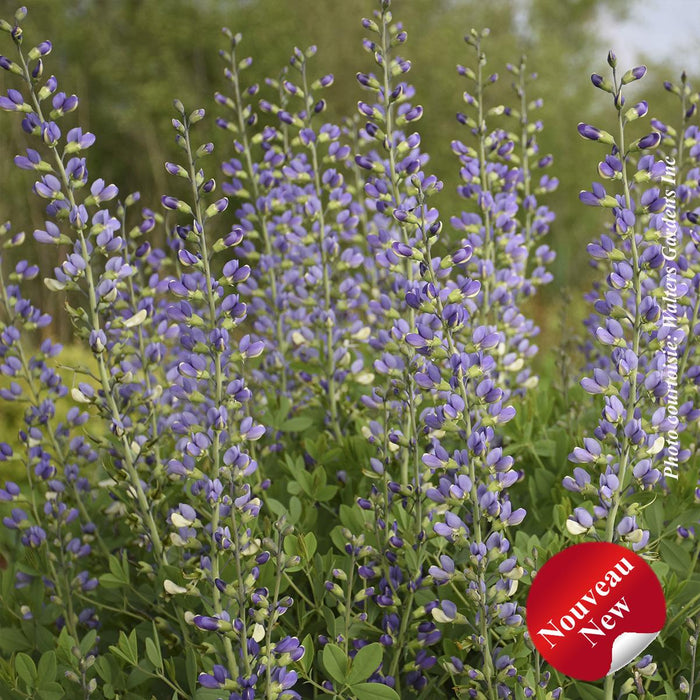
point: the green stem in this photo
(298, 590)
(262, 221)
(273, 616)
(488, 228)
(348, 604)
(609, 687)
(329, 358)
(144, 506)
(400, 644)
(626, 447)
(489, 670)
(218, 398)
(394, 181)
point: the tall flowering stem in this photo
(253, 182)
(535, 218)
(628, 443)
(388, 189)
(60, 184)
(506, 224)
(311, 107)
(481, 82)
(317, 229)
(453, 361)
(58, 535)
(200, 187)
(212, 458)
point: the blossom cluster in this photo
(633, 327)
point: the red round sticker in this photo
(593, 608)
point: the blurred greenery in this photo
(128, 59)
(12, 412)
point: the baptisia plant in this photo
(283, 467)
(212, 459)
(450, 501)
(251, 183)
(621, 462)
(383, 592)
(311, 252)
(147, 329)
(506, 224)
(629, 437)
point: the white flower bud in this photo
(575, 528)
(179, 520)
(136, 320)
(172, 588)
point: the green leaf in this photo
(351, 518)
(325, 493)
(137, 677)
(88, 642)
(294, 510)
(119, 570)
(12, 640)
(47, 668)
(365, 663)
(335, 662)
(125, 649)
(545, 448)
(191, 668)
(338, 539)
(654, 516)
(298, 424)
(25, 669)
(121, 654)
(588, 692)
(52, 691)
(670, 691)
(65, 644)
(675, 556)
(103, 668)
(111, 581)
(291, 545)
(153, 653)
(661, 569)
(308, 658)
(207, 694)
(308, 545)
(374, 691)
(43, 640)
(275, 506)
(134, 646)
